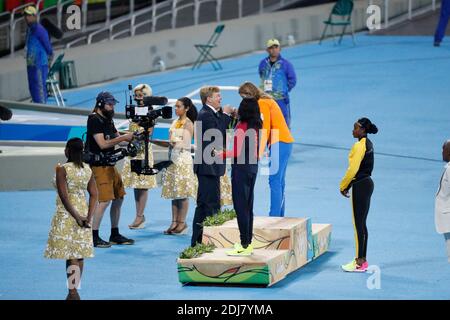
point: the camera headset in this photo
(100, 103)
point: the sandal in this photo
(138, 225)
(172, 227)
(180, 231)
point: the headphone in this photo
(100, 103)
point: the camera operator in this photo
(102, 137)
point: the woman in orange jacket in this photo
(277, 138)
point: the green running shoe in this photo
(240, 251)
(349, 267)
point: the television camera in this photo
(144, 114)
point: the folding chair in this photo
(343, 9)
(53, 82)
(205, 50)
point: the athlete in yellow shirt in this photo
(358, 178)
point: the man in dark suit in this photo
(210, 131)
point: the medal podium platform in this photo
(282, 245)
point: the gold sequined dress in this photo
(225, 191)
(66, 239)
(133, 180)
(179, 180)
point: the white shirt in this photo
(215, 111)
(442, 203)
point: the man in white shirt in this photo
(442, 203)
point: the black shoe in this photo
(437, 44)
(120, 239)
(99, 243)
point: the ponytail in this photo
(368, 126)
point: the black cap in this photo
(107, 98)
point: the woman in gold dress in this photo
(70, 236)
(141, 183)
(179, 181)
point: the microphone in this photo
(155, 101)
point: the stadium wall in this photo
(109, 60)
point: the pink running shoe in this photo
(362, 268)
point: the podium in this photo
(282, 245)
(321, 236)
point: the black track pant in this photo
(361, 192)
(243, 185)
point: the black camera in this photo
(109, 158)
(145, 116)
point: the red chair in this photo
(11, 4)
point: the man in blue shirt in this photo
(443, 21)
(277, 77)
(39, 54)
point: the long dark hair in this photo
(192, 111)
(74, 149)
(249, 112)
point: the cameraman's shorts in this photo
(109, 183)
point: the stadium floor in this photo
(398, 82)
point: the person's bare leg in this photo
(116, 205)
(183, 206)
(73, 272)
(173, 225)
(81, 265)
(175, 210)
(140, 198)
(98, 214)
